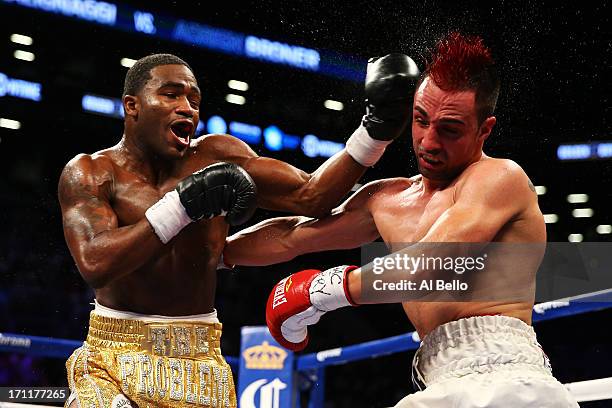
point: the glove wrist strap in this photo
(345, 283)
(329, 291)
(364, 148)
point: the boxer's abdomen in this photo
(180, 281)
(426, 316)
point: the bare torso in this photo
(104, 197)
(181, 279)
(401, 201)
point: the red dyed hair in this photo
(460, 62)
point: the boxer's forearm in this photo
(114, 253)
(268, 242)
(354, 285)
(282, 187)
(332, 181)
(282, 239)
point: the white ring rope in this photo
(591, 390)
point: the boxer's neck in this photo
(154, 169)
(430, 186)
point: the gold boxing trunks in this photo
(147, 363)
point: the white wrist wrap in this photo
(168, 216)
(327, 290)
(365, 149)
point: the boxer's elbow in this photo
(316, 212)
(98, 282)
(312, 203)
(96, 276)
(97, 272)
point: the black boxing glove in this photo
(224, 189)
(219, 189)
(389, 89)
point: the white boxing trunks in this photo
(484, 361)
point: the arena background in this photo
(554, 59)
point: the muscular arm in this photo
(102, 251)
(494, 194)
(282, 239)
(283, 187)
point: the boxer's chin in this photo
(429, 173)
(437, 175)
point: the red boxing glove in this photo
(301, 299)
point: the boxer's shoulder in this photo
(396, 184)
(382, 187)
(221, 147)
(495, 174)
(84, 177)
(88, 168)
(101, 158)
(213, 141)
(492, 167)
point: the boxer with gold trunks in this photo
(478, 347)
(156, 360)
(146, 221)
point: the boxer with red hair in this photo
(478, 348)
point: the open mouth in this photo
(182, 130)
(430, 160)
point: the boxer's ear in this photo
(131, 106)
(486, 127)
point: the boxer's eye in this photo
(420, 121)
(450, 132)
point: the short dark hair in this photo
(138, 75)
(460, 62)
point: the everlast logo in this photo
(279, 292)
